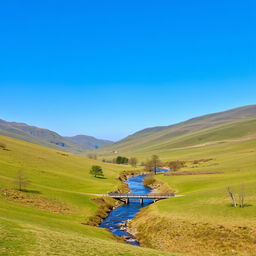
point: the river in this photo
(117, 218)
(116, 221)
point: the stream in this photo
(117, 219)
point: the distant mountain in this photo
(229, 124)
(89, 141)
(48, 138)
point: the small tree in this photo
(152, 164)
(133, 161)
(232, 196)
(241, 197)
(21, 180)
(96, 170)
(156, 162)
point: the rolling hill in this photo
(89, 141)
(45, 137)
(235, 123)
(49, 218)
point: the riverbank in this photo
(117, 220)
(156, 185)
(105, 204)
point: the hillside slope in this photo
(45, 137)
(89, 141)
(203, 221)
(230, 124)
(49, 218)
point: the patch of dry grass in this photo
(196, 238)
(35, 200)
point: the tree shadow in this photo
(101, 178)
(246, 205)
(31, 191)
(238, 206)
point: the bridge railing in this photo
(138, 195)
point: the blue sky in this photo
(110, 68)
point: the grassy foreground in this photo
(46, 220)
(203, 222)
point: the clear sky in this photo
(110, 68)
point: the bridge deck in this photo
(140, 196)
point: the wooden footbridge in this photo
(125, 197)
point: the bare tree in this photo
(21, 180)
(156, 162)
(92, 156)
(148, 166)
(232, 196)
(241, 197)
(133, 161)
(152, 164)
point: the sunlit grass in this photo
(28, 226)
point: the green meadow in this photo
(50, 218)
(202, 221)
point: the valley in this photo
(60, 204)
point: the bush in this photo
(149, 180)
(122, 160)
(202, 160)
(176, 165)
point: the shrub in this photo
(176, 165)
(149, 180)
(122, 160)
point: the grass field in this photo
(203, 222)
(46, 220)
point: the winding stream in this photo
(116, 220)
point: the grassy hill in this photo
(45, 137)
(89, 142)
(232, 124)
(46, 220)
(202, 221)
